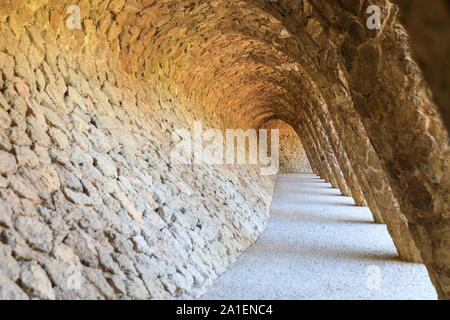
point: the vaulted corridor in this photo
(319, 245)
(140, 142)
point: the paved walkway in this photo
(319, 245)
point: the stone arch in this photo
(137, 69)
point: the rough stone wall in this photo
(293, 158)
(87, 116)
(91, 206)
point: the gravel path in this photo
(319, 245)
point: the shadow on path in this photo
(319, 245)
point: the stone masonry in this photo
(91, 92)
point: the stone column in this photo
(320, 152)
(328, 151)
(305, 143)
(299, 128)
(372, 178)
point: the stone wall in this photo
(91, 205)
(293, 158)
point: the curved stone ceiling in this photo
(354, 95)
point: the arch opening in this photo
(88, 116)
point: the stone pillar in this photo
(317, 154)
(408, 134)
(328, 151)
(431, 45)
(320, 152)
(305, 143)
(341, 156)
(309, 150)
(373, 181)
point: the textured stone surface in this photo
(305, 232)
(429, 28)
(90, 203)
(87, 188)
(293, 158)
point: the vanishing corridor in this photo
(319, 245)
(111, 112)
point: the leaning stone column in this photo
(367, 167)
(325, 145)
(358, 150)
(373, 180)
(349, 176)
(306, 147)
(317, 154)
(341, 155)
(312, 156)
(321, 152)
(406, 130)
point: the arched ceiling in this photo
(240, 60)
(234, 58)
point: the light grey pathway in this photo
(319, 245)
